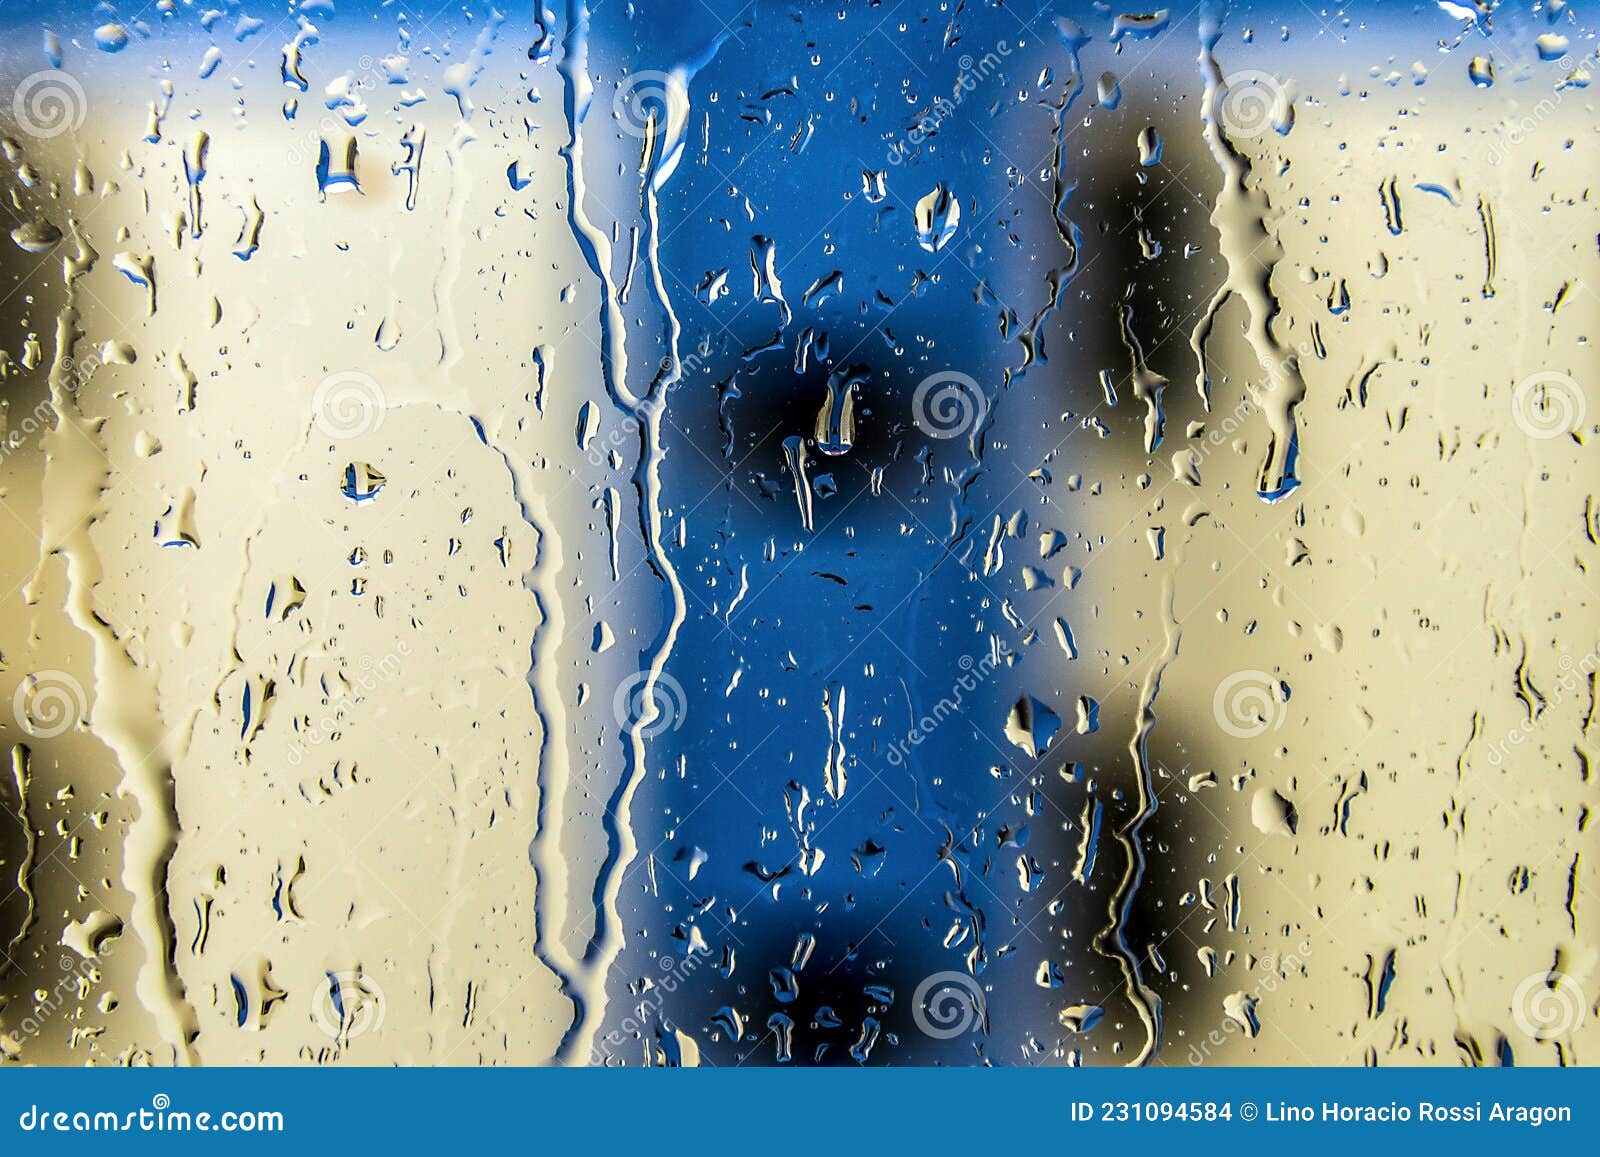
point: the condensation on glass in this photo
(882, 533)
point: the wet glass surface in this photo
(817, 534)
